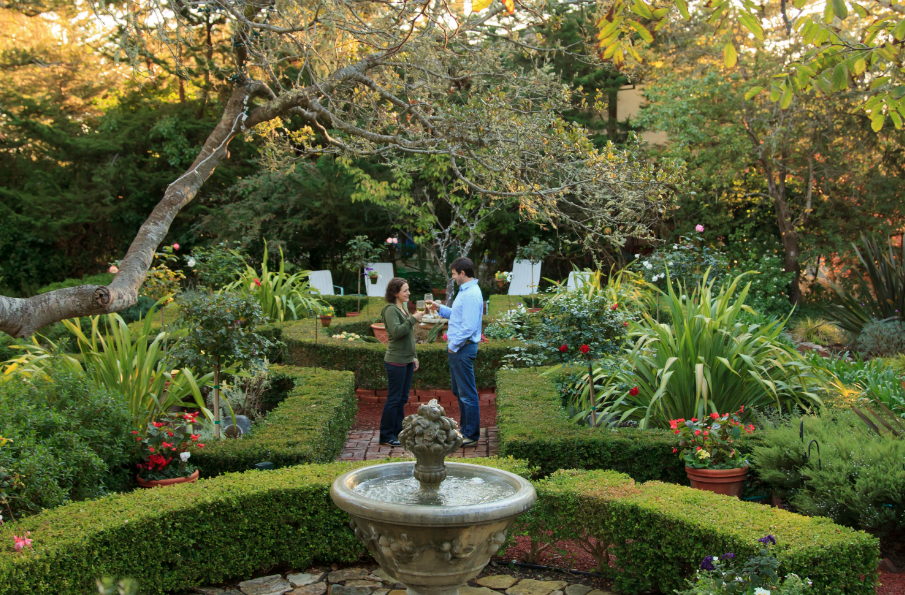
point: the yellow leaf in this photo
(510, 6)
(479, 5)
(753, 92)
(644, 33)
(876, 121)
(730, 56)
(786, 99)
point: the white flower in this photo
(759, 591)
(684, 297)
(191, 263)
(648, 266)
(185, 456)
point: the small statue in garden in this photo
(430, 436)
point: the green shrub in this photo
(534, 426)
(710, 359)
(877, 380)
(660, 532)
(856, 479)
(882, 338)
(769, 291)
(816, 330)
(366, 359)
(309, 425)
(342, 304)
(176, 538)
(70, 440)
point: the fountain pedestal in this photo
(436, 536)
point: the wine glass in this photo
(420, 305)
(428, 297)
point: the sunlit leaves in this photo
(479, 5)
(644, 33)
(730, 55)
(753, 92)
(510, 6)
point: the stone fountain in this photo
(429, 524)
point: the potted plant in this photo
(165, 451)
(502, 277)
(380, 332)
(535, 253)
(711, 452)
(372, 275)
(326, 315)
(359, 252)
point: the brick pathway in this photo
(363, 444)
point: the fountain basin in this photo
(432, 548)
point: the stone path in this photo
(364, 445)
(364, 581)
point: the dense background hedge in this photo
(366, 359)
(309, 425)
(661, 532)
(533, 425)
(176, 538)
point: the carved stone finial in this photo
(430, 436)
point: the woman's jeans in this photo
(399, 381)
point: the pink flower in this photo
(699, 228)
(21, 542)
(444, 336)
(175, 246)
(257, 282)
(389, 240)
(113, 269)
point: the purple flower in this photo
(728, 556)
(707, 563)
(767, 540)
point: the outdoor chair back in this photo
(524, 280)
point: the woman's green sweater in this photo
(401, 332)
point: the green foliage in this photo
(882, 338)
(221, 330)
(314, 412)
(728, 575)
(342, 304)
(99, 279)
(856, 479)
(70, 440)
(816, 330)
(217, 265)
(876, 380)
(279, 294)
(709, 359)
(535, 251)
(880, 288)
(174, 539)
(365, 359)
(660, 532)
(682, 263)
(769, 295)
(534, 426)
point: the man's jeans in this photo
(461, 371)
(399, 381)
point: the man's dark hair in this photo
(393, 288)
(464, 265)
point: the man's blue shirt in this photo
(464, 316)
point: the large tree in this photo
(390, 79)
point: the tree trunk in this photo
(612, 114)
(790, 244)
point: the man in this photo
(463, 337)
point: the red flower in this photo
(706, 432)
(634, 391)
(677, 431)
(563, 348)
(697, 432)
(166, 445)
(674, 450)
(614, 306)
(158, 424)
(151, 448)
(257, 282)
(694, 419)
(699, 448)
(624, 324)
(714, 415)
(741, 409)
(200, 445)
(196, 436)
(585, 349)
(170, 434)
(134, 432)
(139, 438)
(175, 246)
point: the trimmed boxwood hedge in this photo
(176, 538)
(179, 537)
(309, 425)
(533, 425)
(659, 533)
(366, 359)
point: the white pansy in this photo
(185, 456)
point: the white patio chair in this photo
(524, 280)
(385, 273)
(578, 280)
(323, 282)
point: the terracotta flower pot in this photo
(380, 332)
(326, 320)
(351, 314)
(152, 483)
(533, 310)
(728, 482)
(373, 279)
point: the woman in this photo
(400, 361)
